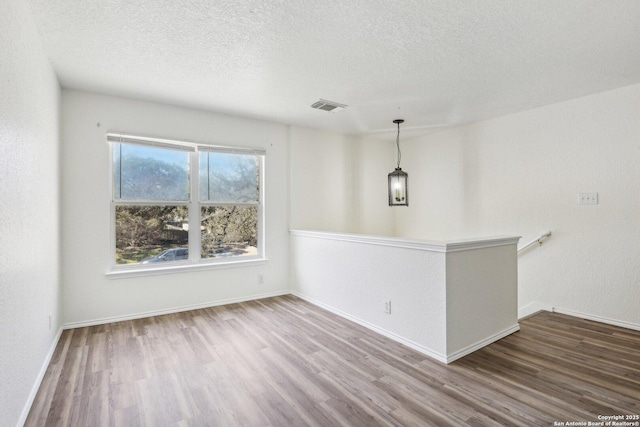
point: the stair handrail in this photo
(539, 241)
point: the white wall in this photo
(520, 175)
(88, 294)
(440, 292)
(354, 279)
(482, 296)
(374, 159)
(321, 166)
(338, 183)
(29, 209)
(438, 197)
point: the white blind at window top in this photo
(181, 145)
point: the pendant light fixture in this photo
(398, 180)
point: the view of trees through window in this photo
(144, 232)
(229, 231)
(152, 192)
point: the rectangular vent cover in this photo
(328, 105)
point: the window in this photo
(161, 187)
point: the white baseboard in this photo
(448, 358)
(485, 342)
(172, 310)
(536, 307)
(532, 308)
(595, 318)
(39, 378)
(424, 350)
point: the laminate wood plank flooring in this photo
(284, 362)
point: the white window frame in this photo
(195, 261)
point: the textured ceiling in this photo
(431, 62)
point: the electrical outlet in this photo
(260, 278)
(387, 306)
(588, 198)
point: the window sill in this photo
(181, 268)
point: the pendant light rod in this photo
(398, 121)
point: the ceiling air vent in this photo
(325, 105)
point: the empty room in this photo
(319, 213)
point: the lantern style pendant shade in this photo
(398, 179)
(398, 194)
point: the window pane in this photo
(150, 173)
(229, 231)
(151, 234)
(229, 177)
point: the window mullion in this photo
(194, 207)
(261, 211)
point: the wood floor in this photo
(282, 361)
